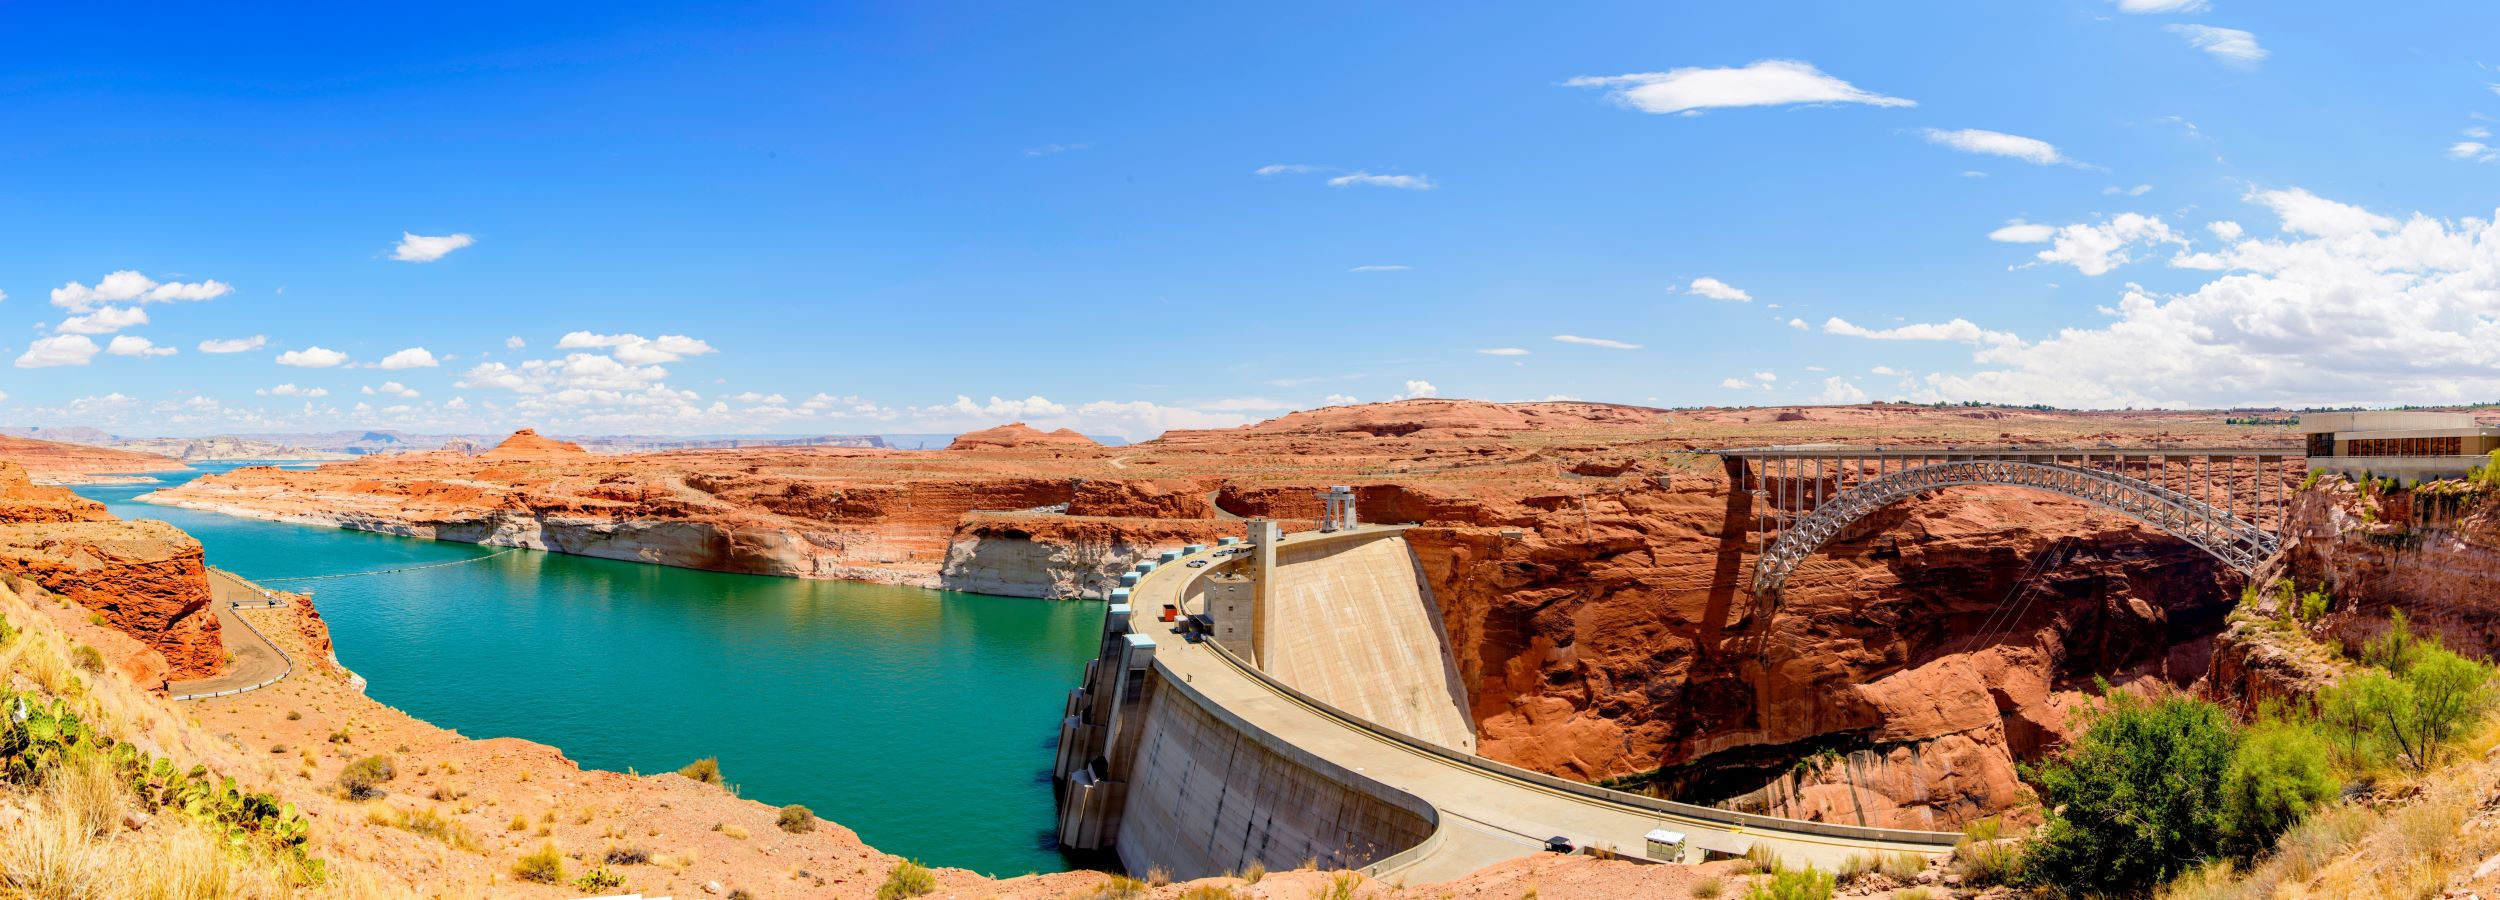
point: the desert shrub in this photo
(519, 823)
(706, 770)
(626, 855)
(2136, 799)
(2278, 773)
(425, 823)
(2314, 604)
(599, 880)
(2416, 701)
(1215, 892)
(797, 819)
(1903, 866)
(1913, 893)
(543, 865)
(1793, 884)
(1340, 886)
(363, 779)
(1707, 887)
(906, 879)
(1251, 873)
(87, 658)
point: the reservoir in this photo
(921, 719)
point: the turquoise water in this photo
(921, 719)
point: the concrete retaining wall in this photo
(1207, 795)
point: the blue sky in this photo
(923, 217)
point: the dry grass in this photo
(428, 823)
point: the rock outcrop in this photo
(1015, 435)
(58, 462)
(527, 443)
(24, 502)
(146, 579)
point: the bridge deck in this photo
(1489, 811)
(1858, 451)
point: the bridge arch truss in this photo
(2225, 501)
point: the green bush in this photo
(797, 819)
(599, 880)
(363, 779)
(706, 770)
(1793, 884)
(543, 865)
(2417, 700)
(2136, 799)
(2278, 773)
(2313, 605)
(906, 879)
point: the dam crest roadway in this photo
(1313, 714)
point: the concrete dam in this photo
(1285, 698)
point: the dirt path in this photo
(252, 658)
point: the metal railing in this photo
(256, 632)
(2235, 541)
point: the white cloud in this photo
(1717, 290)
(2308, 213)
(1338, 400)
(1886, 370)
(105, 320)
(2225, 229)
(1735, 384)
(1056, 149)
(2337, 309)
(1285, 169)
(1838, 390)
(415, 247)
(392, 388)
(2095, 249)
(634, 349)
(1956, 330)
(2018, 231)
(411, 358)
(514, 343)
(127, 286)
(2473, 150)
(1503, 351)
(312, 358)
(2476, 132)
(2136, 191)
(1378, 269)
(2142, 7)
(2230, 45)
(1997, 143)
(58, 350)
(134, 345)
(1770, 82)
(234, 345)
(1766, 377)
(1799, 324)
(1419, 389)
(290, 390)
(1406, 182)
(575, 372)
(1596, 342)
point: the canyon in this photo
(1584, 556)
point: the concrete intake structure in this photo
(1331, 726)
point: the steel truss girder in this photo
(2236, 542)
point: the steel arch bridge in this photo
(2220, 500)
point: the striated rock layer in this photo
(144, 579)
(1589, 560)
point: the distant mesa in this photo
(527, 443)
(1018, 434)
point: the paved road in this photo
(254, 660)
(1489, 812)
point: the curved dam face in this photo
(1292, 698)
(1170, 778)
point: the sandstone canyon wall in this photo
(147, 580)
(1588, 560)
